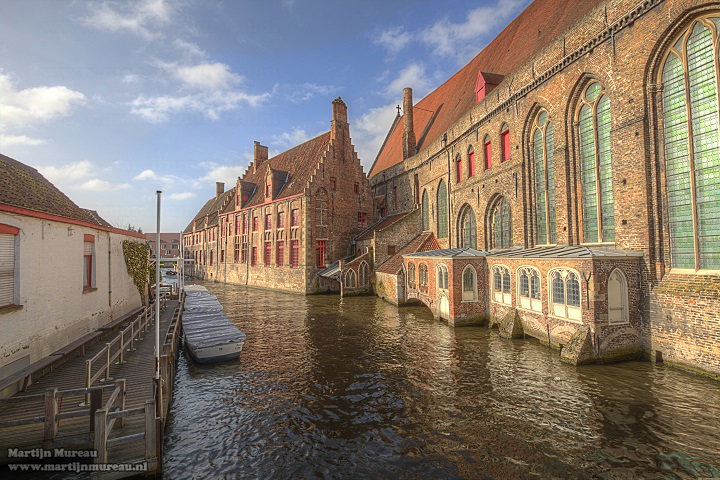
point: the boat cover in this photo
(204, 322)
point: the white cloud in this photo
(34, 105)
(290, 139)
(141, 17)
(460, 39)
(393, 39)
(69, 172)
(188, 48)
(370, 130)
(413, 76)
(131, 78)
(182, 196)
(206, 76)
(19, 140)
(146, 175)
(301, 93)
(221, 173)
(97, 185)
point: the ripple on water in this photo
(357, 388)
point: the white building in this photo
(62, 272)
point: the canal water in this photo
(356, 388)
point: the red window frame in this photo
(471, 164)
(487, 147)
(505, 135)
(458, 169)
(268, 189)
(281, 220)
(254, 256)
(255, 223)
(321, 253)
(268, 253)
(280, 254)
(268, 221)
(88, 261)
(362, 219)
(294, 217)
(294, 254)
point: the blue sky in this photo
(112, 101)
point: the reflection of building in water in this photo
(577, 170)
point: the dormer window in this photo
(268, 189)
(486, 82)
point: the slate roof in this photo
(523, 38)
(449, 253)
(332, 272)
(23, 186)
(293, 170)
(564, 251)
(380, 225)
(422, 243)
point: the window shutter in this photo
(88, 250)
(7, 269)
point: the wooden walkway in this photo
(75, 433)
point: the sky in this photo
(114, 100)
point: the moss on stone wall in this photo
(137, 257)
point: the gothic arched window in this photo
(442, 214)
(502, 225)
(425, 212)
(596, 165)
(468, 229)
(543, 146)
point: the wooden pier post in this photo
(51, 411)
(101, 436)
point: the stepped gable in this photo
(293, 167)
(424, 242)
(515, 45)
(23, 186)
(207, 216)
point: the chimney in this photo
(260, 153)
(219, 189)
(339, 129)
(409, 143)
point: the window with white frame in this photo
(618, 312)
(469, 284)
(565, 294)
(8, 270)
(529, 296)
(442, 277)
(501, 285)
(350, 279)
(423, 277)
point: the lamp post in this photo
(158, 385)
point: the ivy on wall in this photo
(136, 260)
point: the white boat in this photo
(209, 335)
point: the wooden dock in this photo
(117, 416)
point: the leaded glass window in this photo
(543, 140)
(468, 229)
(524, 284)
(502, 225)
(535, 285)
(442, 214)
(596, 166)
(442, 277)
(692, 147)
(469, 282)
(558, 288)
(425, 212)
(565, 293)
(411, 275)
(501, 284)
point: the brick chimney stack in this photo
(219, 189)
(409, 142)
(260, 154)
(339, 128)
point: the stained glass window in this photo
(425, 212)
(692, 148)
(442, 214)
(543, 148)
(596, 166)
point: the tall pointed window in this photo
(618, 312)
(425, 212)
(364, 275)
(471, 162)
(468, 229)
(596, 166)
(469, 282)
(487, 150)
(458, 168)
(502, 225)
(692, 146)
(442, 215)
(543, 146)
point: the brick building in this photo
(289, 219)
(169, 244)
(574, 166)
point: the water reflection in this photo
(356, 388)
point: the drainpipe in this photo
(109, 277)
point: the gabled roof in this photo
(380, 225)
(97, 218)
(293, 170)
(564, 251)
(23, 186)
(449, 253)
(422, 243)
(523, 38)
(211, 209)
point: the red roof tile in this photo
(23, 186)
(516, 44)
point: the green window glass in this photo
(442, 215)
(502, 225)
(425, 212)
(692, 149)
(468, 229)
(596, 166)
(543, 148)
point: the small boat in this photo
(171, 273)
(209, 336)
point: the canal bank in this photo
(355, 387)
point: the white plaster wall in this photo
(55, 310)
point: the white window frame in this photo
(501, 296)
(618, 315)
(563, 310)
(350, 274)
(528, 302)
(442, 274)
(469, 295)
